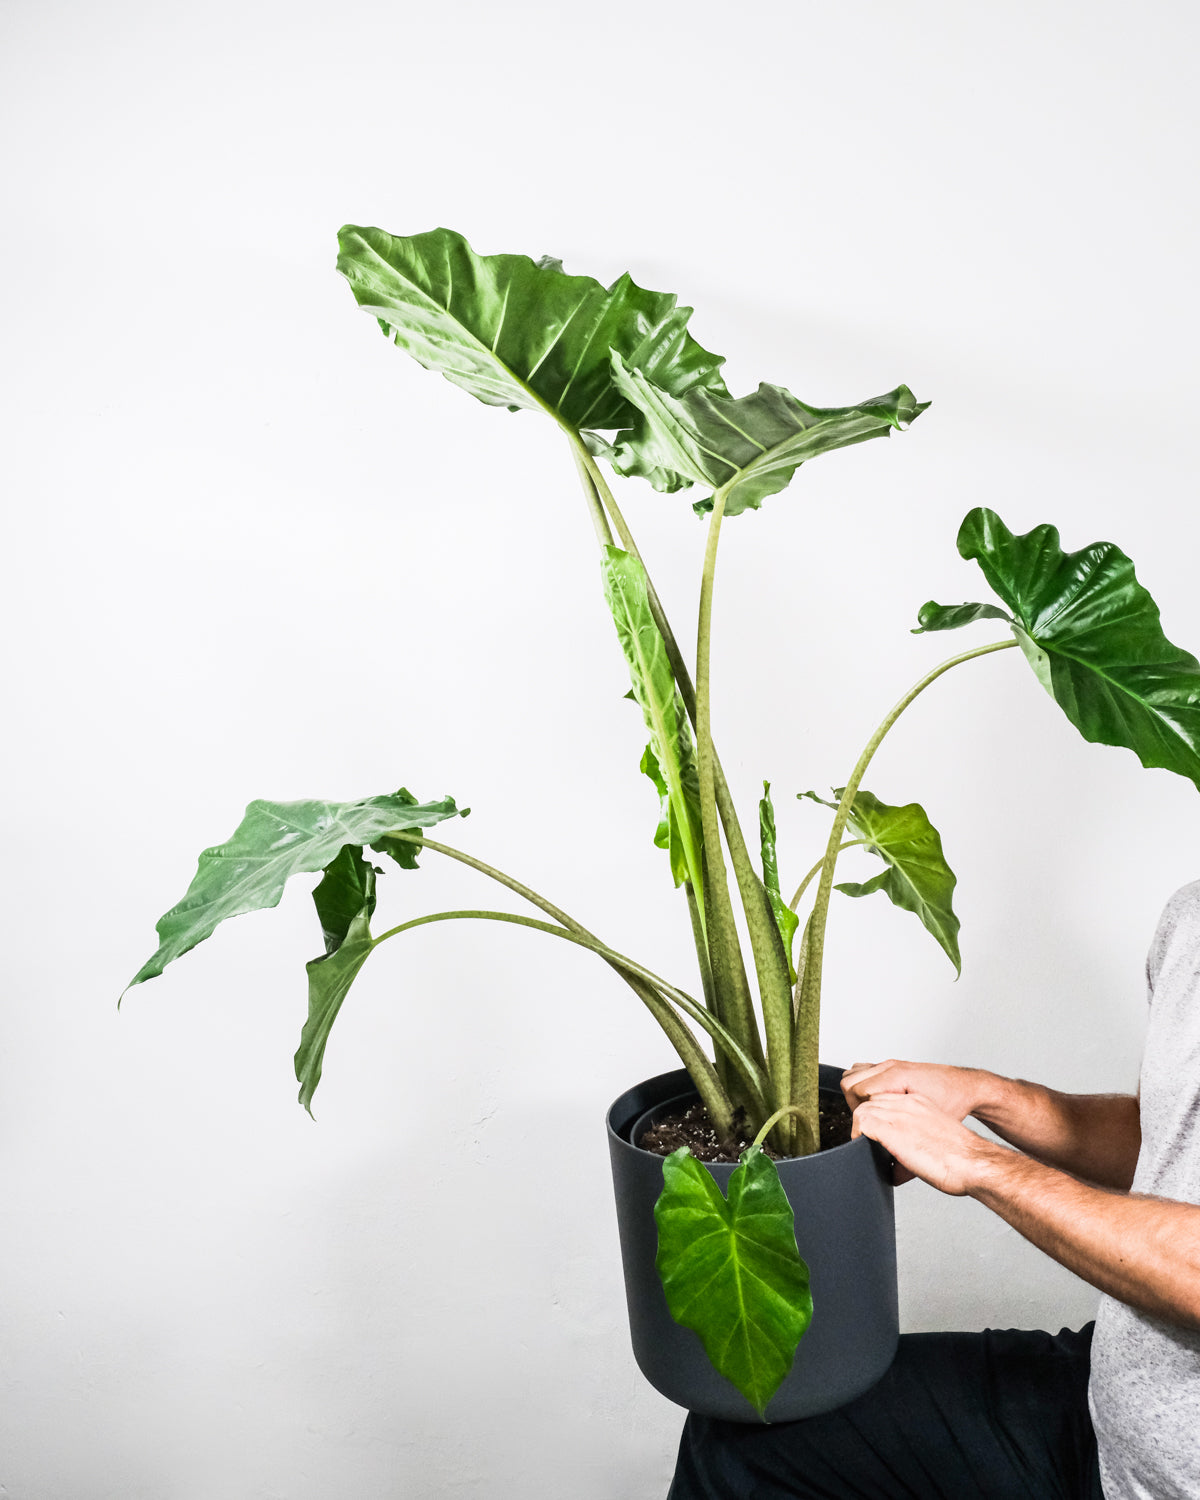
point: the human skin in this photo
(1066, 1185)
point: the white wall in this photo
(253, 551)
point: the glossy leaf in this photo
(786, 920)
(671, 746)
(731, 1271)
(329, 981)
(932, 616)
(753, 444)
(1092, 634)
(346, 888)
(917, 877)
(519, 333)
(274, 841)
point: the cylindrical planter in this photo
(845, 1230)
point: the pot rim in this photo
(688, 1090)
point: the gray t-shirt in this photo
(1145, 1381)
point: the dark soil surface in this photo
(692, 1129)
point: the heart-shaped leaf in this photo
(731, 1271)
(274, 841)
(520, 333)
(329, 981)
(752, 444)
(1092, 634)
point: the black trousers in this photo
(999, 1415)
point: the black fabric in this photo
(999, 1415)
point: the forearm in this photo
(1144, 1251)
(1092, 1136)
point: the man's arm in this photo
(1093, 1136)
(1144, 1251)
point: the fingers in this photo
(856, 1080)
(900, 1174)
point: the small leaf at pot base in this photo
(932, 616)
(731, 1271)
(329, 981)
(1092, 634)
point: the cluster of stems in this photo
(761, 1079)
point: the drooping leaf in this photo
(274, 841)
(519, 333)
(329, 981)
(346, 888)
(753, 444)
(404, 851)
(917, 877)
(932, 616)
(731, 1270)
(786, 919)
(671, 744)
(1092, 634)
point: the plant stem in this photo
(804, 1061)
(719, 1105)
(599, 519)
(788, 1109)
(616, 960)
(816, 870)
(770, 960)
(729, 973)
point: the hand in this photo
(925, 1140)
(956, 1091)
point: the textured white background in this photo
(253, 551)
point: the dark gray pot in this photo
(845, 1230)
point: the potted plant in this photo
(620, 375)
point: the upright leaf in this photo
(753, 444)
(329, 981)
(731, 1270)
(917, 877)
(1092, 634)
(785, 918)
(519, 333)
(274, 841)
(671, 746)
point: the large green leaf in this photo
(520, 333)
(274, 841)
(785, 918)
(329, 981)
(917, 877)
(1092, 634)
(671, 751)
(731, 1270)
(753, 444)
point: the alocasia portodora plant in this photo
(620, 375)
